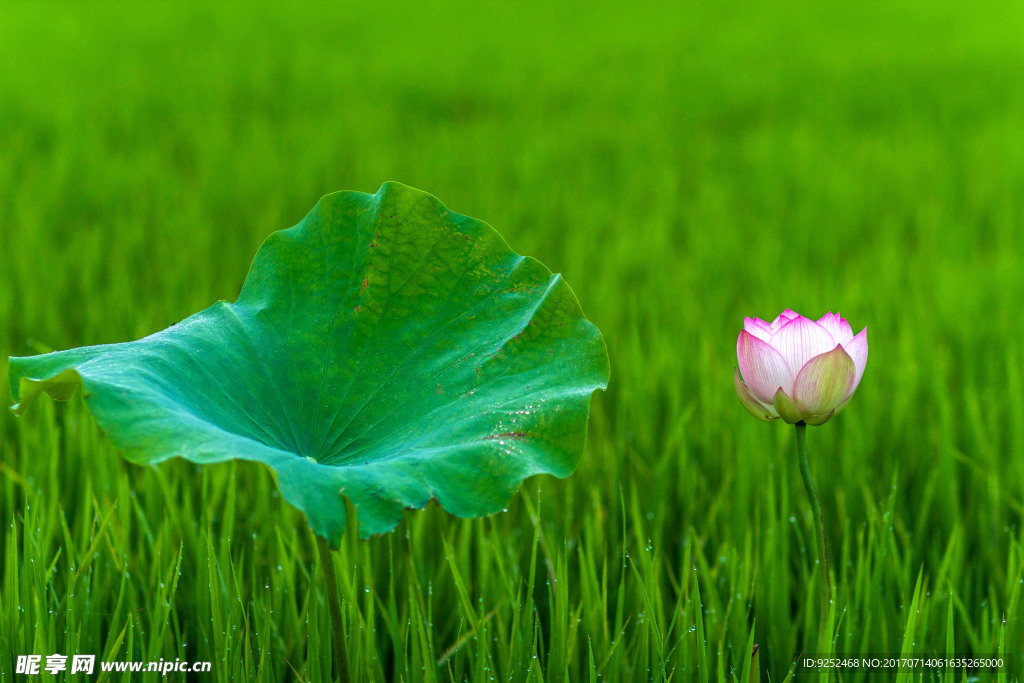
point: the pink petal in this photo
(800, 340)
(858, 350)
(783, 318)
(763, 368)
(753, 406)
(758, 328)
(837, 327)
(824, 382)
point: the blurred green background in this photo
(682, 165)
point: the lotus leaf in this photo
(385, 349)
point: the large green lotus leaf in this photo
(385, 349)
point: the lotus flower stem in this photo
(334, 604)
(821, 541)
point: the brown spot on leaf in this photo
(508, 435)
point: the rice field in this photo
(682, 166)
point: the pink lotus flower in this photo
(799, 369)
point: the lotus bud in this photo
(797, 369)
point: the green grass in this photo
(682, 166)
